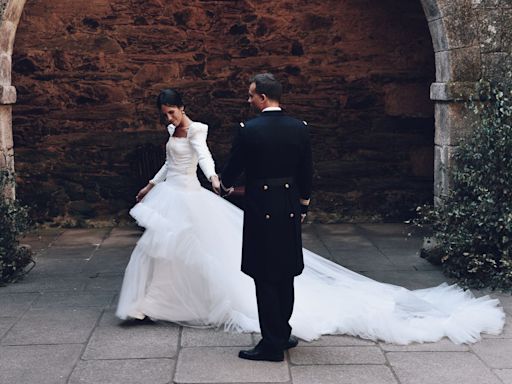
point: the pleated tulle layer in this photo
(186, 268)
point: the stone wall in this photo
(87, 73)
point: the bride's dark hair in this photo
(169, 97)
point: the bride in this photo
(186, 266)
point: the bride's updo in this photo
(169, 97)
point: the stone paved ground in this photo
(58, 325)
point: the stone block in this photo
(222, 365)
(41, 364)
(494, 67)
(496, 353)
(195, 337)
(346, 374)
(48, 326)
(443, 168)
(458, 65)
(7, 35)
(7, 94)
(5, 69)
(132, 341)
(454, 122)
(132, 371)
(491, 29)
(6, 141)
(440, 367)
(336, 355)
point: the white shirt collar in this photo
(268, 109)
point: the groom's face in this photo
(256, 99)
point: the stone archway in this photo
(465, 50)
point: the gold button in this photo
(287, 185)
(292, 215)
(265, 187)
(267, 216)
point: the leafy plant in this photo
(473, 226)
(14, 221)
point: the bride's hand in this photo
(215, 184)
(143, 192)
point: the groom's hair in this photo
(266, 83)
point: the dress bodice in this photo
(183, 154)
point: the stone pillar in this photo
(454, 28)
(8, 25)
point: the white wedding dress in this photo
(186, 269)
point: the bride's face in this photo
(173, 114)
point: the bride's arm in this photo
(158, 178)
(198, 142)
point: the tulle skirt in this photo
(186, 269)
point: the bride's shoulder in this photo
(197, 127)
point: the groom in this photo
(274, 151)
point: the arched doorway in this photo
(440, 19)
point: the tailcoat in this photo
(274, 152)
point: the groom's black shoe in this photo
(292, 342)
(261, 354)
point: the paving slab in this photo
(443, 345)
(108, 260)
(5, 324)
(40, 239)
(79, 252)
(122, 237)
(59, 300)
(505, 334)
(132, 341)
(80, 237)
(196, 337)
(440, 367)
(345, 242)
(362, 260)
(15, 304)
(132, 371)
(336, 355)
(505, 375)
(337, 341)
(496, 353)
(346, 374)
(330, 230)
(104, 282)
(54, 266)
(41, 364)
(409, 279)
(48, 326)
(41, 282)
(388, 229)
(222, 365)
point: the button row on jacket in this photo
(267, 216)
(265, 187)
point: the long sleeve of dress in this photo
(160, 175)
(198, 142)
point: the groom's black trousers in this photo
(275, 306)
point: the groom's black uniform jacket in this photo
(274, 151)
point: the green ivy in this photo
(14, 221)
(473, 226)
